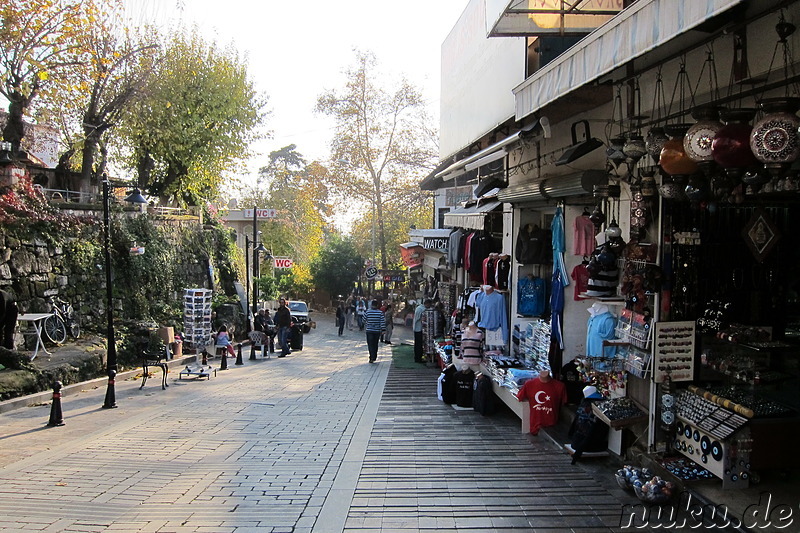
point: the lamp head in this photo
(260, 248)
(135, 197)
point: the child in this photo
(224, 340)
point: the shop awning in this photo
(434, 260)
(645, 25)
(471, 217)
(496, 151)
(579, 184)
(412, 254)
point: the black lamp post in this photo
(134, 197)
(256, 273)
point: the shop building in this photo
(657, 141)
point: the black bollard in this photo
(56, 418)
(253, 351)
(111, 397)
(223, 364)
(239, 354)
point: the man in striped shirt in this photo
(375, 323)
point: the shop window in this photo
(440, 222)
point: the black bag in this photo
(464, 382)
(449, 385)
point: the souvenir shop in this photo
(659, 284)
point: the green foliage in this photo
(267, 287)
(196, 121)
(337, 266)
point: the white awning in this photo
(470, 217)
(547, 17)
(645, 25)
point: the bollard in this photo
(223, 364)
(56, 418)
(111, 397)
(253, 351)
(239, 354)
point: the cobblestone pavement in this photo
(318, 441)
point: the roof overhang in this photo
(521, 18)
(640, 28)
(572, 185)
(496, 151)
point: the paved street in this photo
(319, 441)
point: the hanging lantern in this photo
(731, 146)
(634, 148)
(613, 230)
(597, 217)
(697, 188)
(699, 138)
(673, 188)
(656, 139)
(775, 140)
(648, 183)
(615, 152)
(674, 160)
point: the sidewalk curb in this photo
(45, 396)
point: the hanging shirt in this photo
(453, 244)
(530, 296)
(604, 283)
(467, 250)
(545, 400)
(584, 232)
(580, 274)
(489, 266)
(502, 271)
(599, 328)
(492, 312)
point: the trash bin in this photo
(296, 337)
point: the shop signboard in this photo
(435, 243)
(392, 276)
(371, 272)
(457, 195)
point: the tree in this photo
(39, 46)
(337, 266)
(384, 139)
(196, 122)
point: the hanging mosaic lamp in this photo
(634, 148)
(673, 159)
(655, 141)
(731, 146)
(775, 140)
(597, 217)
(699, 138)
(613, 230)
(615, 152)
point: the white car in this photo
(300, 313)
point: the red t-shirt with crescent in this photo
(545, 400)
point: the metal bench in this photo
(155, 359)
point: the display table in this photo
(37, 321)
(520, 408)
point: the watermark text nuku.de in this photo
(689, 513)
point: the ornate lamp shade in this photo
(614, 152)
(699, 138)
(635, 148)
(731, 146)
(674, 159)
(656, 138)
(775, 140)
(613, 230)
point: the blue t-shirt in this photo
(531, 296)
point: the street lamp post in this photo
(134, 197)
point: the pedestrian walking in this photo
(341, 316)
(283, 321)
(374, 322)
(361, 309)
(389, 327)
(417, 327)
(350, 309)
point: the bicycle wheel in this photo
(54, 329)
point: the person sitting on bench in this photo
(224, 340)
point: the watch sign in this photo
(283, 262)
(435, 243)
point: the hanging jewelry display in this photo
(775, 140)
(656, 137)
(700, 136)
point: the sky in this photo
(297, 50)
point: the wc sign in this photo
(283, 262)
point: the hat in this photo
(590, 392)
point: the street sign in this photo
(283, 262)
(371, 272)
(261, 213)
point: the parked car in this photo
(300, 311)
